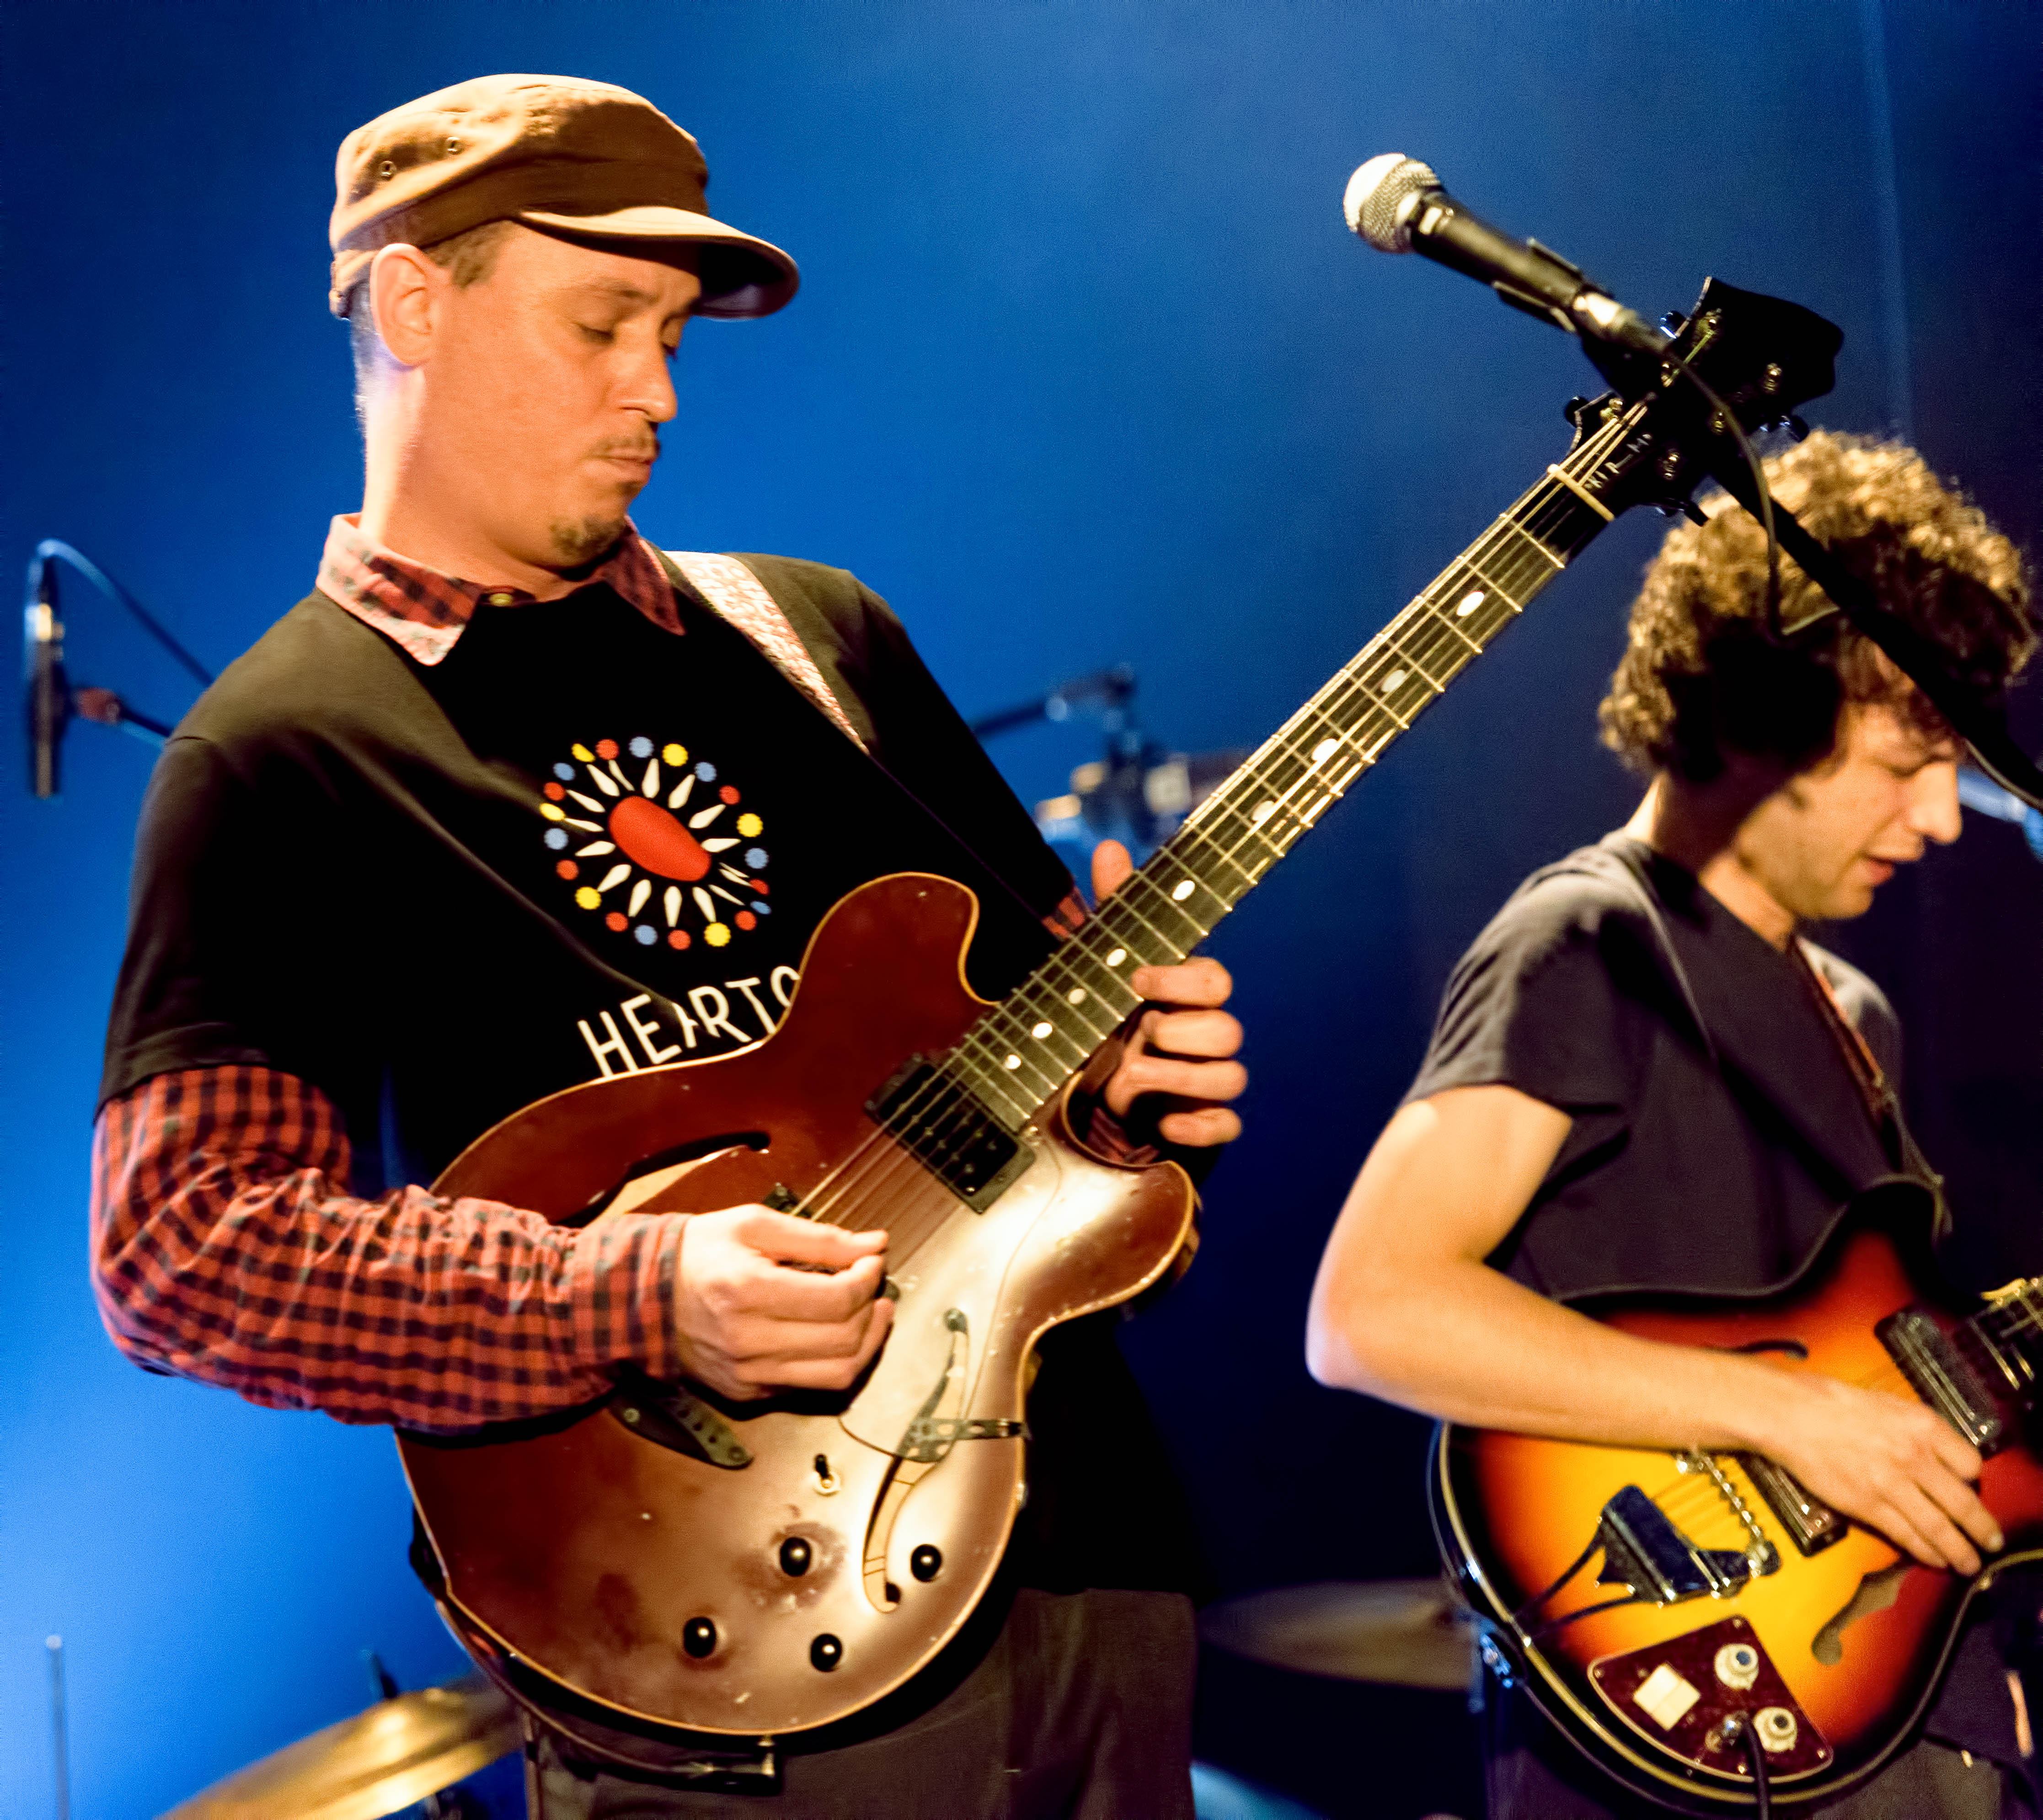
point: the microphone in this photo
(48, 692)
(1397, 204)
(1980, 793)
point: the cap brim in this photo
(742, 275)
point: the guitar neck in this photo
(1022, 1052)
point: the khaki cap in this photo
(553, 151)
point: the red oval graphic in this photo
(652, 838)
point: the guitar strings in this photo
(878, 1162)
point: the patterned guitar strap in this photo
(739, 597)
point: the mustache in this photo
(642, 447)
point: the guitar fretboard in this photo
(1022, 1051)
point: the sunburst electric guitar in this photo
(1657, 1606)
(667, 1563)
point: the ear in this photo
(405, 291)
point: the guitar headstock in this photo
(1761, 356)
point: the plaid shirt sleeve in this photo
(226, 1250)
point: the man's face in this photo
(1823, 843)
(548, 381)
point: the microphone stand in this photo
(53, 701)
(1977, 721)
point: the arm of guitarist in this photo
(1406, 1309)
(226, 1248)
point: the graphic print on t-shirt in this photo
(655, 847)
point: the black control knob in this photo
(926, 1563)
(699, 1637)
(796, 1555)
(825, 1652)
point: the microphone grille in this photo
(1377, 192)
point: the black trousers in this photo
(1080, 1710)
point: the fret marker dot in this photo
(1324, 750)
(1012, 1062)
(1182, 890)
(1076, 995)
(1391, 681)
(1263, 811)
(1118, 956)
(1469, 602)
(1040, 1031)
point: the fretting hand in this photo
(1184, 1046)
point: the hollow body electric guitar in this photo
(1655, 1604)
(667, 1564)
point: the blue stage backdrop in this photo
(1085, 369)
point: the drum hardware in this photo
(1405, 1633)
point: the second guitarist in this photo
(1644, 1077)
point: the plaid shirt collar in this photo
(424, 612)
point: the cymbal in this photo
(397, 1753)
(1406, 1632)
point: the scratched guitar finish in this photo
(674, 1565)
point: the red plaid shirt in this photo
(225, 1245)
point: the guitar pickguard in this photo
(1692, 1695)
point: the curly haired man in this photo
(1644, 1078)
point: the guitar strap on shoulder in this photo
(738, 597)
(1883, 1104)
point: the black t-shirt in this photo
(578, 846)
(1718, 1128)
(582, 845)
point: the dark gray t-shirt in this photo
(1718, 1128)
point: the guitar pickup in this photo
(950, 1130)
(1811, 1525)
(1942, 1376)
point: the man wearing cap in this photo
(515, 801)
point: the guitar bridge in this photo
(1644, 1550)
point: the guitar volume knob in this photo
(1776, 1728)
(796, 1555)
(1737, 1665)
(699, 1637)
(825, 1652)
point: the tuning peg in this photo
(1797, 427)
(1694, 513)
(1672, 322)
